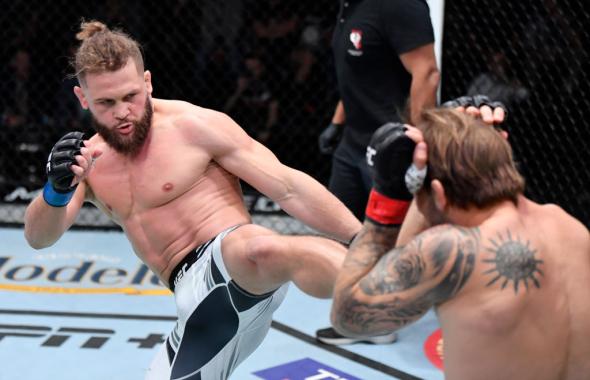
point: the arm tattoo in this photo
(399, 273)
(467, 248)
(403, 269)
(369, 245)
(369, 317)
(513, 261)
(433, 268)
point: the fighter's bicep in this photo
(238, 153)
(400, 270)
(259, 167)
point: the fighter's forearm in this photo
(44, 224)
(381, 290)
(348, 308)
(310, 202)
(371, 243)
(414, 223)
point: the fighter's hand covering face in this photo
(393, 147)
(395, 178)
(381, 289)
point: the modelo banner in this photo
(80, 262)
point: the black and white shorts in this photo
(219, 324)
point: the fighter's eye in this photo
(105, 102)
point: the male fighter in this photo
(508, 277)
(167, 172)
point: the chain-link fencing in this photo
(268, 64)
(535, 57)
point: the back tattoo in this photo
(514, 261)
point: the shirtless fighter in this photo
(167, 172)
(509, 278)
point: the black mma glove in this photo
(57, 191)
(476, 101)
(329, 138)
(389, 157)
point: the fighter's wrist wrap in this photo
(386, 211)
(54, 198)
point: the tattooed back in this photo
(522, 303)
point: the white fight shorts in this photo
(219, 324)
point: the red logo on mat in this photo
(433, 348)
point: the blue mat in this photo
(87, 308)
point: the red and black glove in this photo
(389, 156)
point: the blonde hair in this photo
(472, 160)
(104, 50)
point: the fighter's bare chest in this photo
(124, 186)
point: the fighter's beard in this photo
(127, 145)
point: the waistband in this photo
(192, 257)
(187, 261)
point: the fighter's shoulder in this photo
(448, 237)
(559, 220)
(191, 118)
(567, 223)
(448, 229)
(447, 253)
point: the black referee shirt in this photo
(368, 39)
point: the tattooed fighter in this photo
(509, 278)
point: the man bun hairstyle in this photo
(104, 50)
(88, 29)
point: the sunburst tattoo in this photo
(514, 261)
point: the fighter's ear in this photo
(147, 77)
(81, 97)
(438, 192)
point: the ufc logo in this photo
(370, 154)
(180, 274)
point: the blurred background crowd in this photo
(269, 64)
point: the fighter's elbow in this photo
(283, 196)
(36, 241)
(38, 246)
(336, 321)
(341, 324)
(284, 189)
(346, 328)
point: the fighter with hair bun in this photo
(168, 173)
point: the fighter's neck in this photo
(473, 216)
